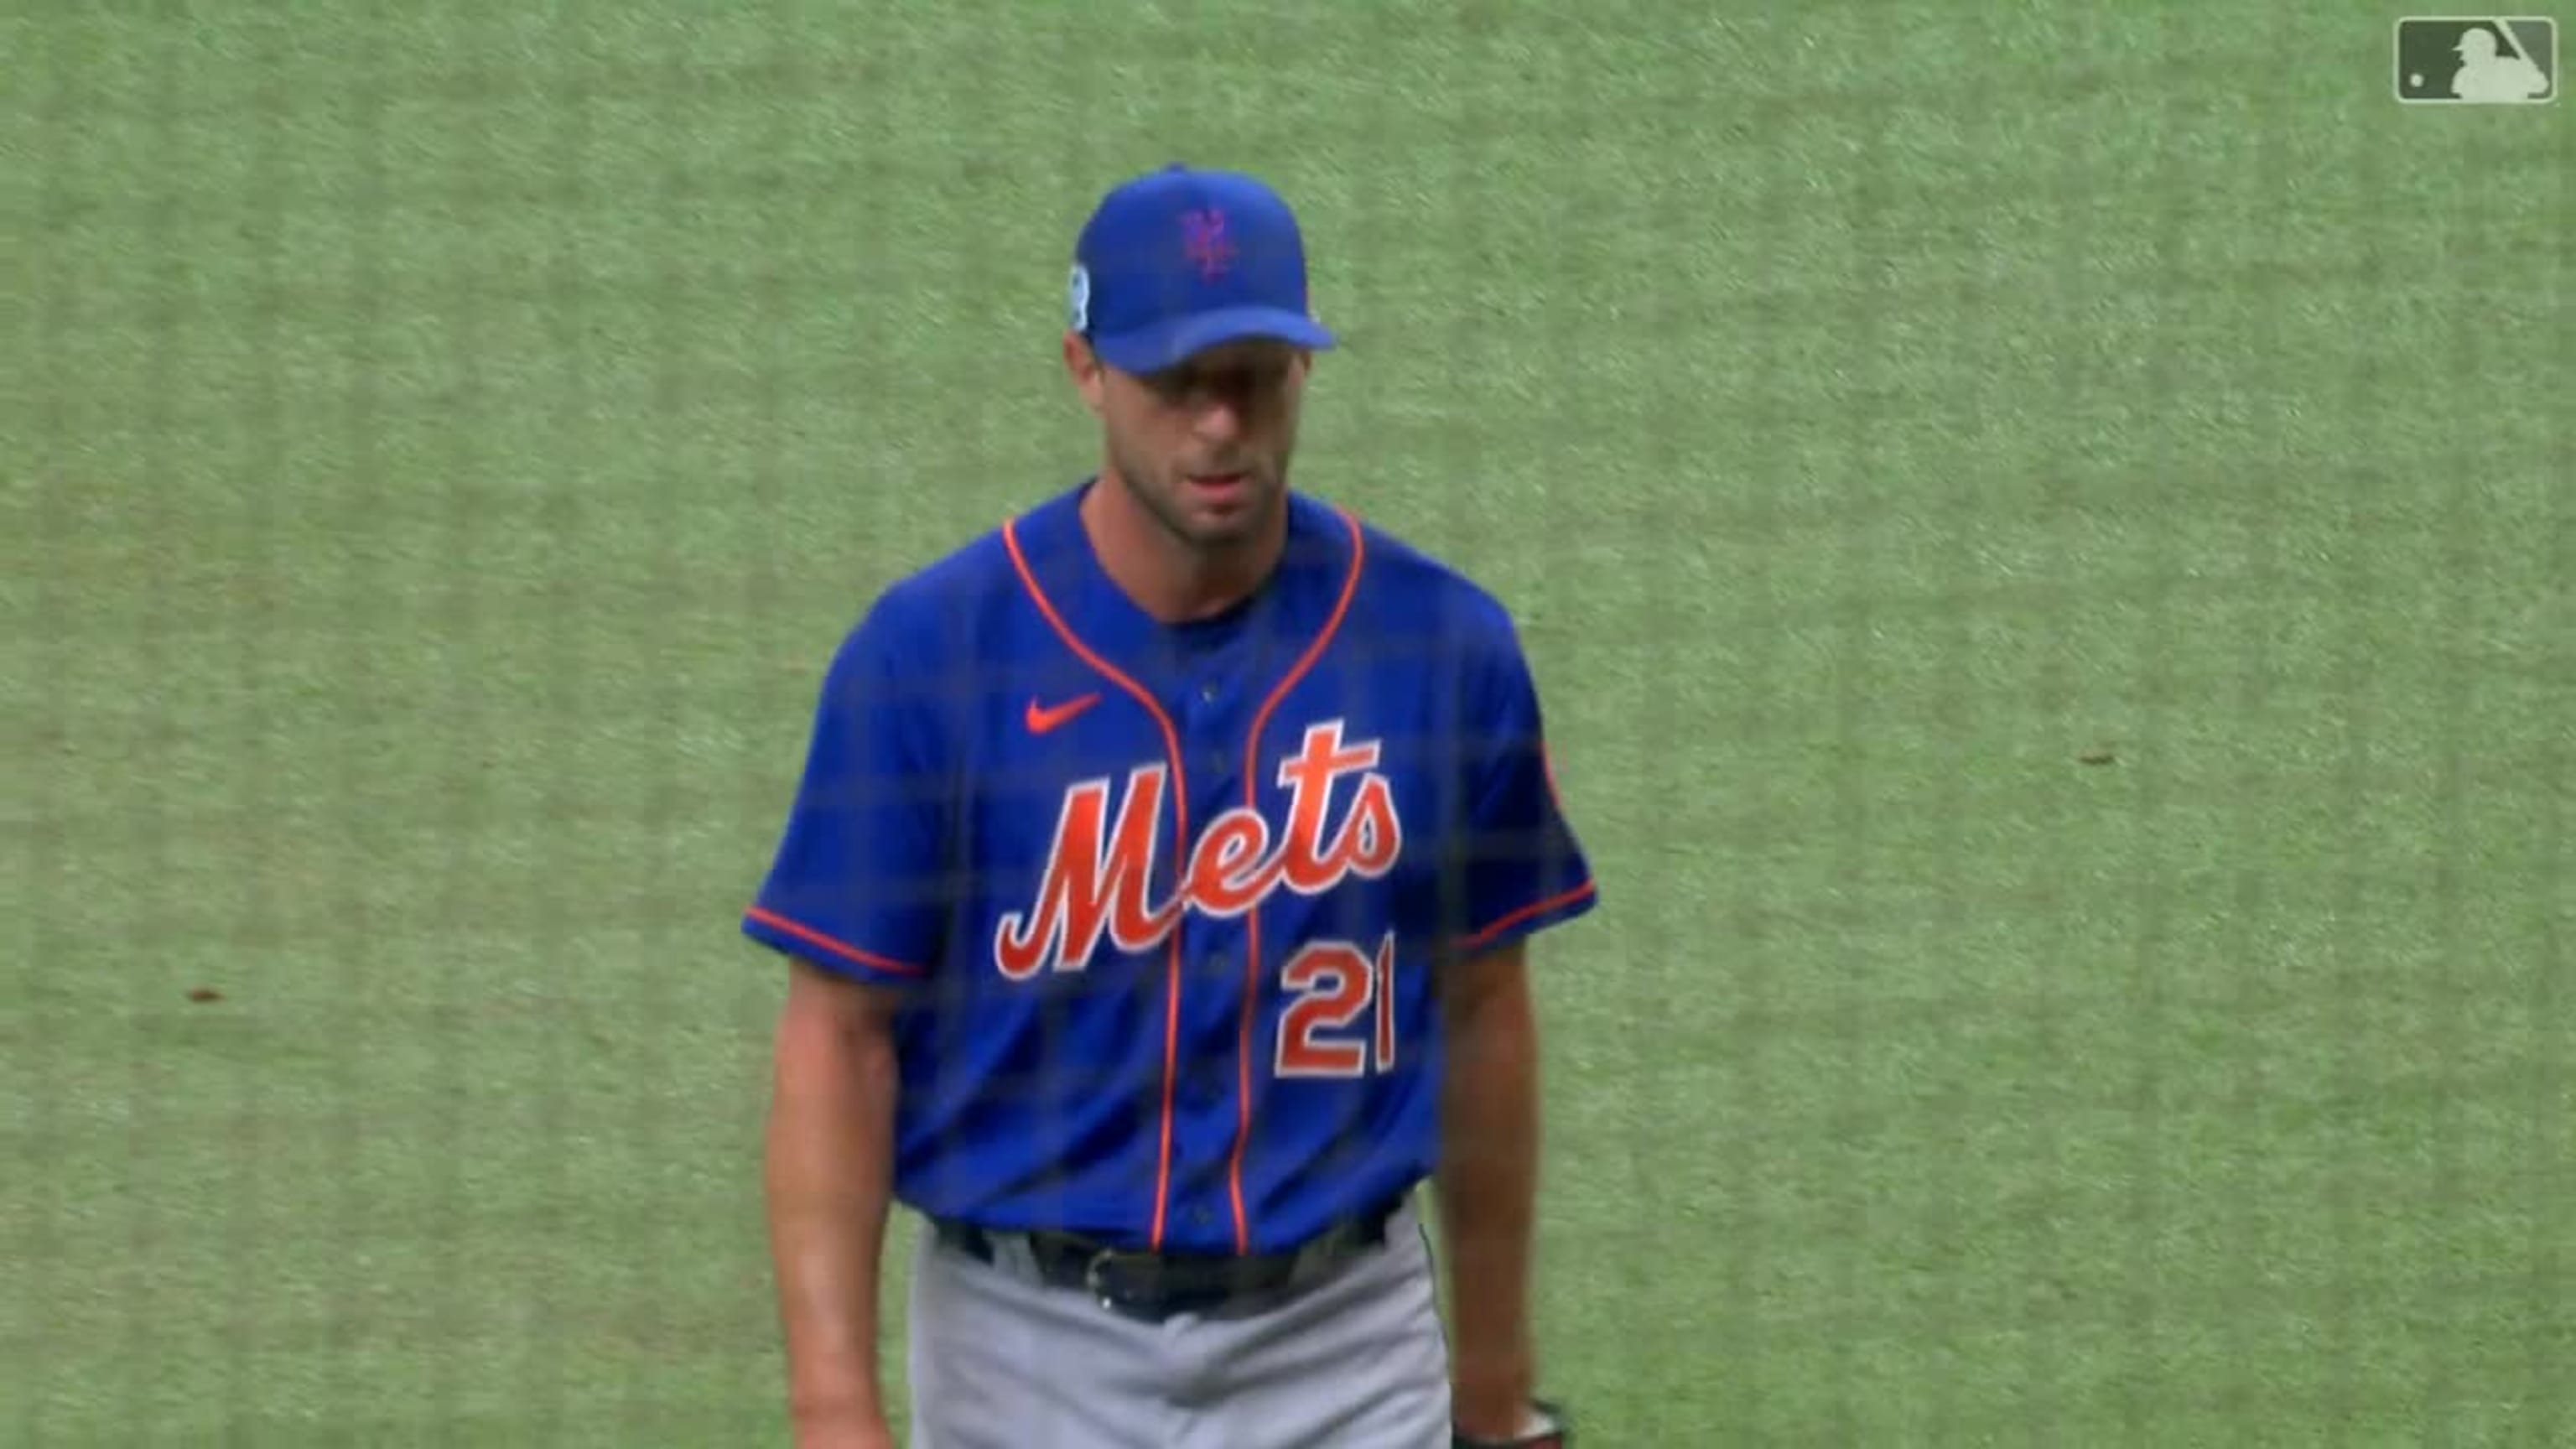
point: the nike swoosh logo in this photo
(1042, 718)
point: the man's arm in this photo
(830, 1164)
(1487, 1186)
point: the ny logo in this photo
(1204, 241)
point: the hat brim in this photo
(1168, 345)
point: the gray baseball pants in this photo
(1357, 1361)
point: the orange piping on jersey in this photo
(1534, 908)
(843, 949)
(1252, 918)
(1181, 845)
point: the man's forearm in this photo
(1487, 1187)
(829, 1161)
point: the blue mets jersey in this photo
(1169, 899)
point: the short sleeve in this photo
(1518, 867)
(859, 884)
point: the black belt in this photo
(1155, 1286)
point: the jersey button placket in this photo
(1219, 757)
(1213, 947)
(1207, 1085)
(1208, 1081)
(1211, 742)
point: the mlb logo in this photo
(2477, 60)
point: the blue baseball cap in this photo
(1179, 260)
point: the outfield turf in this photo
(442, 443)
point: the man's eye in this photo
(1231, 383)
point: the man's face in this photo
(1204, 446)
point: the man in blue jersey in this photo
(1157, 897)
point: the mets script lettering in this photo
(1099, 871)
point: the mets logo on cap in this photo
(1178, 260)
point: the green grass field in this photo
(443, 441)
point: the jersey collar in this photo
(1279, 619)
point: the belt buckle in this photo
(1095, 1272)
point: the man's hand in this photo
(1538, 1425)
(1490, 1402)
(843, 1429)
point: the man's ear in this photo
(1084, 367)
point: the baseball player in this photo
(1156, 897)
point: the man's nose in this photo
(1220, 418)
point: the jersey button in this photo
(1207, 693)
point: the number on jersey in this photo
(1340, 1020)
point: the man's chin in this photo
(1216, 535)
